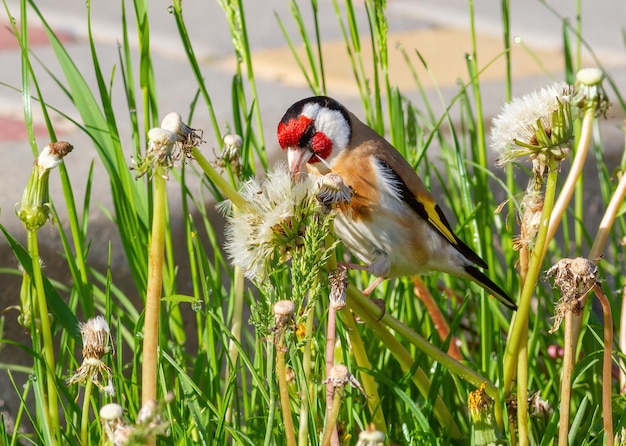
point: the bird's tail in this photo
(490, 286)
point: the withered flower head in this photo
(575, 278)
(167, 144)
(34, 208)
(96, 337)
(333, 193)
(283, 313)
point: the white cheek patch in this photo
(334, 125)
(311, 110)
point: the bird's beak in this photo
(297, 158)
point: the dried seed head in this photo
(185, 135)
(51, 155)
(338, 287)
(371, 437)
(283, 313)
(339, 376)
(574, 277)
(538, 407)
(333, 193)
(146, 412)
(590, 92)
(232, 146)
(531, 209)
(96, 337)
(271, 227)
(166, 144)
(111, 411)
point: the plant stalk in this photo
(520, 319)
(572, 177)
(52, 408)
(154, 289)
(607, 364)
(330, 363)
(566, 380)
(283, 389)
(84, 420)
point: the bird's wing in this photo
(401, 177)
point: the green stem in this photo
(219, 182)
(155, 285)
(366, 379)
(46, 333)
(271, 409)
(572, 177)
(235, 328)
(522, 390)
(303, 429)
(331, 420)
(520, 319)
(283, 389)
(607, 363)
(84, 420)
(422, 344)
(406, 361)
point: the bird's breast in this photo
(384, 233)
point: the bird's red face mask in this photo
(311, 131)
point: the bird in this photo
(393, 225)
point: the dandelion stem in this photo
(604, 229)
(572, 177)
(84, 420)
(223, 185)
(358, 350)
(362, 306)
(303, 429)
(522, 390)
(520, 319)
(566, 380)
(330, 363)
(607, 364)
(46, 333)
(155, 285)
(330, 430)
(283, 389)
(622, 344)
(235, 327)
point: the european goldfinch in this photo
(393, 224)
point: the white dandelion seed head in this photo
(251, 233)
(518, 121)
